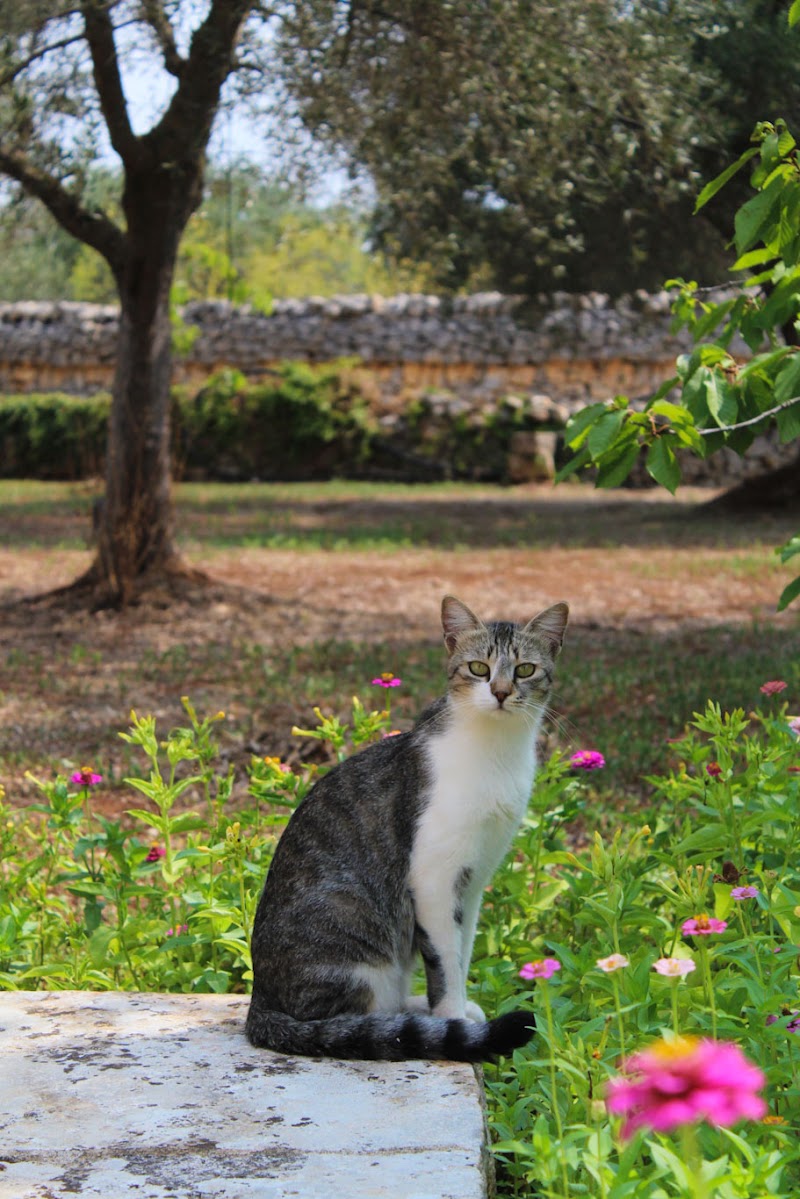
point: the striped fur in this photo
(386, 859)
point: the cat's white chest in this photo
(481, 780)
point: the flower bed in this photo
(662, 962)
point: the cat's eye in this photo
(479, 669)
(525, 670)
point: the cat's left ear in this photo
(550, 625)
(457, 618)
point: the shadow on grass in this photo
(368, 516)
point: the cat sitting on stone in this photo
(388, 856)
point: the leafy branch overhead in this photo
(718, 396)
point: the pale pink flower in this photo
(86, 777)
(615, 961)
(587, 759)
(387, 679)
(542, 968)
(703, 926)
(674, 967)
(794, 725)
(684, 1081)
(744, 892)
(772, 687)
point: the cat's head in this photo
(501, 667)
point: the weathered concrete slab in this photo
(121, 1095)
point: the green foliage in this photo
(303, 422)
(488, 177)
(53, 436)
(721, 402)
(90, 903)
(306, 422)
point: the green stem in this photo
(675, 1019)
(553, 1094)
(709, 989)
(694, 1163)
(747, 933)
(620, 1022)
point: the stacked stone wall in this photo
(462, 355)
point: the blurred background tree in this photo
(538, 144)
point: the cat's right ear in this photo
(457, 618)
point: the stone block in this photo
(140, 1096)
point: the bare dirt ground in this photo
(623, 561)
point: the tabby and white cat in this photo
(388, 856)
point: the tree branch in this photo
(94, 228)
(754, 420)
(159, 22)
(185, 127)
(12, 73)
(107, 79)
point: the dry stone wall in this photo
(462, 356)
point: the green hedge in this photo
(53, 436)
(302, 422)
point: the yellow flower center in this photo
(670, 1051)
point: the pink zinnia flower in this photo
(86, 777)
(772, 687)
(703, 926)
(794, 725)
(587, 759)
(387, 679)
(543, 968)
(615, 961)
(744, 892)
(674, 967)
(684, 1081)
(714, 769)
(156, 853)
(176, 932)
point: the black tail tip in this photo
(509, 1032)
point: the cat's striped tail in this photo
(381, 1036)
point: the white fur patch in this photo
(482, 769)
(390, 985)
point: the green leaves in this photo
(662, 464)
(711, 189)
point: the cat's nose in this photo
(501, 694)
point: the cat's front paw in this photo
(473, 1012)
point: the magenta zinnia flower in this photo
(684, 1081)
(542, 968)
(587, 759)
(703, 926)
(772, 687)
(86, 777)
(793, 1025)
(714, 770)
(744, 892)
(156, 853)
(387, 679)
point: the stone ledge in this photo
(161, 1097)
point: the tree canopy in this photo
(533, 144)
